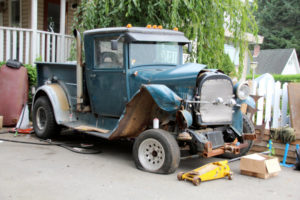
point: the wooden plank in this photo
(268, 107)
(59, 50)
(8, 53)
(294, 103)
(260, 103)
(53, 48)
(280, 158)
(21, 34)
(278, 152)
(14, 44)
(38, 48)
(48, 49)
(43, 47)
(276, 105)
(27, 47)
(284, 118)
(2, 45)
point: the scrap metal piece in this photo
(184, 119)
(184, 136)
(249, 136)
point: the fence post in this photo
(268, 107)
(284, 119)
(260, 103)
(276, 105)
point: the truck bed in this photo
(65, 73)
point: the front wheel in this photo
(248, 127)
(156, 151)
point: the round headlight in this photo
(243, 91)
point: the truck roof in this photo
(141, 34)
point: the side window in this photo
(105, 57)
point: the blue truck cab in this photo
(134, 84)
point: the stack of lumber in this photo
(261, 144)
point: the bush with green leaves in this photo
(281, 78)
(201, 21)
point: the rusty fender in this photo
(58, 100)
(152, 101)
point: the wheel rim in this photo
(41, 118)
(151, 154)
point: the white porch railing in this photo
(16, 43)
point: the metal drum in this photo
(13, 93)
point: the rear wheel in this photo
(248, 127)
(156, 151)
(44, 123)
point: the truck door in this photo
(106, 78)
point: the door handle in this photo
(92, 75)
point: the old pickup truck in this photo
(134, 85)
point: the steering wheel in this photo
(111, 56)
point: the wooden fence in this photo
(273, 105)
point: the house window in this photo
(15, 13)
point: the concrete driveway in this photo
(31, 172)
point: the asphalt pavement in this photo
(40, 172)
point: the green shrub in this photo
(281, 78)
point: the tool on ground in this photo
(207, 172)
(23, 123)
(283, 163)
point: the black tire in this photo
(47, 127)
(248, 127)
(169, 146)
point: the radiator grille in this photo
(211, 90)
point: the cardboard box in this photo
(259, 165)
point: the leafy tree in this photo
(201, 20)
(279, 23)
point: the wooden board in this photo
(261, 146)
(294, 103)
(89, 128)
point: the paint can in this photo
(156, 123)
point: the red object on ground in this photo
(23, 131)
(13, 93)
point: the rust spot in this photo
(61, 95)
(139, 114)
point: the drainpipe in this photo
(79, 71)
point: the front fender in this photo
(151, 101)
(238, 115)
(164, 97)
(58, 100)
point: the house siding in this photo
(40, 24)
(5, 17)
(25, 12)
(69, 18)
(292, 66)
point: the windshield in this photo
(142, 54)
